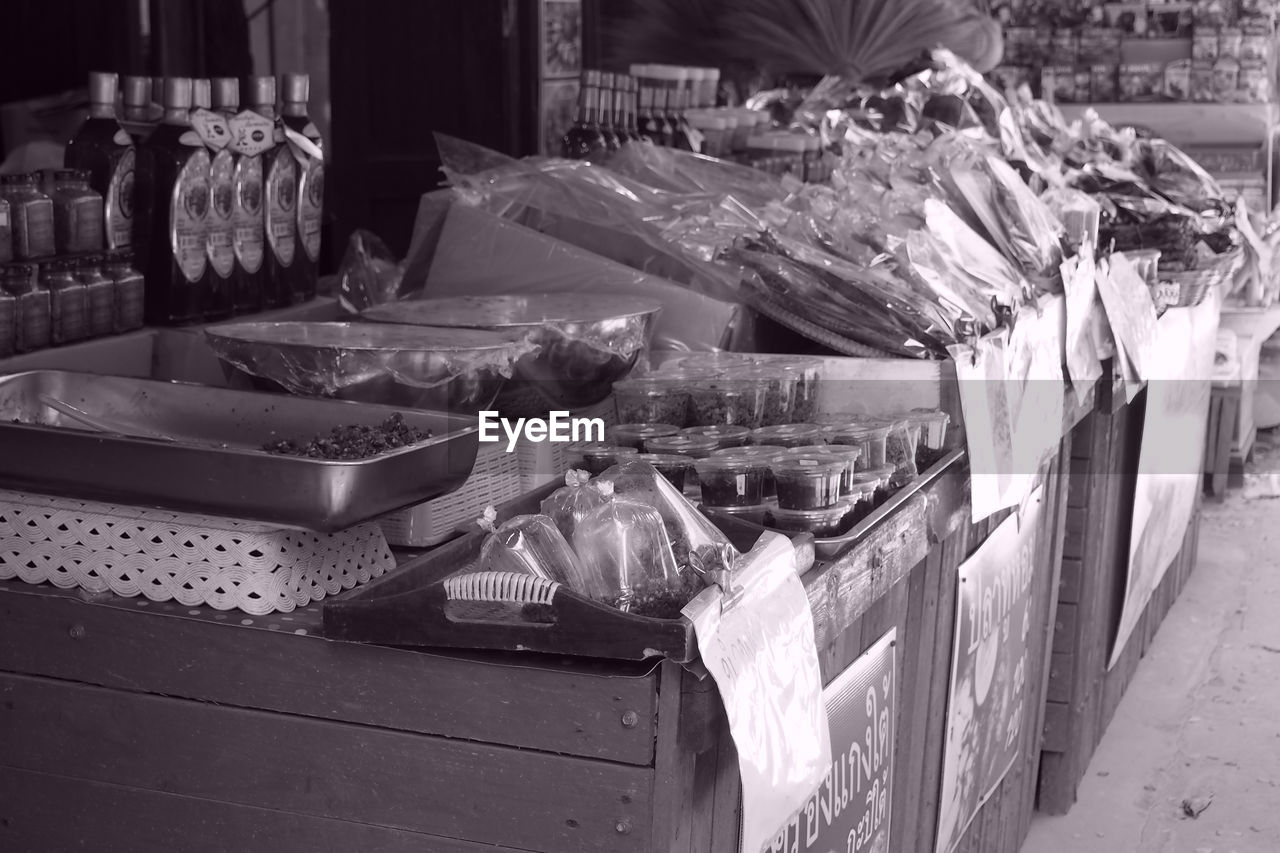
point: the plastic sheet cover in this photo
(569, 504)
(533, 545)
(463, 251)
(756, 638)
(325, 359)
(625, 543)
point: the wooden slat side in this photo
(52, 814)
(454, 789)
(436, 694)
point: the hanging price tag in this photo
(211, 128)
(303, 148)
(251, 134)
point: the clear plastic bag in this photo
(689, 531)
(533, 545)
(567, 506)
(625, 544)
(370, 274)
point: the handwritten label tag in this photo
(303, 148)
(984, 401)
(1078, 279)
(211, 128)
(1130, 310)
(251, 134)
(762, 654)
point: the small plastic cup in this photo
(598, 458)
(933, 435)
(847, 453)
(652, 400)
(754, 514)
(788, 435)
(728, 436)
(884, 486)
(823, 523)
(710, 361)
(673, 467)
(810, 481)
(779, 393)
(862, 494)
(727, 402)
(635, 435)
(695, 446)
(872, 440)
(732, 480)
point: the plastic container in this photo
(694, 446)
(709, 361)
(569, 504)
(933, 425)
(766, 454)
(635, 435)
(732, 480)
(884, 482)
(754, 514)
(809, 481)
(717, 138)
(847, 453)
(872, 440)
(652, 400)
(674, 467)
(788, 435)
(533, 545)
(598, 458)
(780, 393)
(727, 436)
(729, 402)
(823, 523)
(807, 373)
(862, 496)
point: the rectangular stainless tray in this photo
(216, 466)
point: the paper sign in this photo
(850, 810)
(986, 708)
(1083, 364)
(1130, 311)
(1169, 461)
(1033, 369)
(988, 424)
(759, 646)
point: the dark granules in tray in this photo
(353, 442)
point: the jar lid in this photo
(295, 88)
(664, 460)
(136, 91)
(22, 180)
(720, 432)
(601, 450)
(730, 463)
(644, 431)
(653, 384)
(783, 433)
(764, 452)
(687, 445)
(826, 515)
(225, 93)
(846, 452)
(810, 464)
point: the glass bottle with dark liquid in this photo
(174, 177)
(293, 114)
(280, 203)
(248, 239)
(213, 130)
(584, 141)
(103, 149)
(136, 117)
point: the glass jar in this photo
(8, 323)
(130, 291)
(77, 213)
(6, 232)
(30, 217)
(68, 300)
(635, 435)
(32, 322)
(100, 296)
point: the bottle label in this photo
(191, 139)
(251, 134)
(188, 216)
(311, 208)
(282, 207)
(36, 320)
(33, 228)
(304, 148)
(222, 255)
(118, 209)
(83, 226)
(248, 213)
(211, 128)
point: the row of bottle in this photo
(222, 206)
(617, 108)
(64, 301)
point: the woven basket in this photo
(194, 560)
(1194, 285)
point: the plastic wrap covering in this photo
(626, 544)
(463, 251)
(569, 505)
(369, 274)
(533, 545)
(691, 533)
(691, 174)
(443, 369)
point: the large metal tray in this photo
(215, 466)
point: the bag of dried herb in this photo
(568, 505)
(533, 545)
(625, 544)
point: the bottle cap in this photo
(136, 91)
(607, 80)
(157, 90)
(177, 93)
(295, 88)
(200, 94)
(260, 91)
(21, 180)
(225, 93)
(102, 87)
(591, 77)
(70, 175)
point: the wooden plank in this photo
(1057, 718)
(1070, 581)
(52, 814)
(726, 828)
(504, 699)
(672, 780)
(1061, 671)
(1065, 631)
(454, 789)
(840, 592)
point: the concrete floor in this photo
(1199, 728)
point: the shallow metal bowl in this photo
(447, 370)
(584, 341)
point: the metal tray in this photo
(215, 466)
